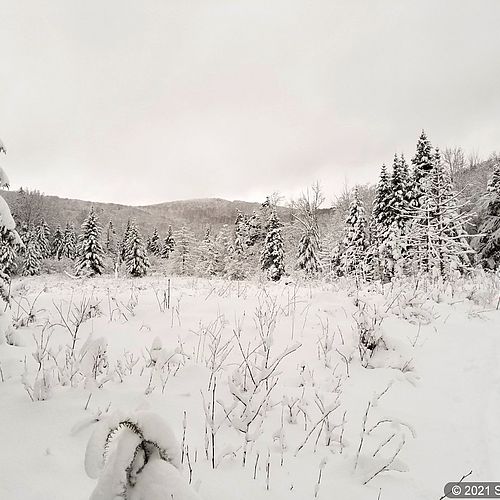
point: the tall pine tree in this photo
(123, 244)
(272, 257)
(184, 254)
(438, 242)
(57, 243)
(32, 258)
(136, 258)
(352, 251)
(422, 165)
(111, 239)
(487, 244)
(70, 242)
(168, 244)
(155, 245)
(43, 239)
(9, 243)
(90, 253)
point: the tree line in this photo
(418, 223)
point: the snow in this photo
(4, 180)
(6, 220)
(431, 389)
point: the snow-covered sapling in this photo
(136, 458)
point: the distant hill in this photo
(198, 214)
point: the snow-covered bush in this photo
(136, 458)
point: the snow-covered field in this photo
(265, 386)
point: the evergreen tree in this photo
(43, 239)
(272, 257)
(168, 244)
(438, 242)
(32, 258)
(422, 165)
(58, 243)
(90, 252)
(184, 254)
(207, 255)
(70, 242)
(9, 241)
(399, 196)
(136, 258)
(308, 258)
(351, 253)
(155, 246)
(382, 211)
(111, 239)
(123, 244)
(240, 233)
(258, 223)
(487, 244)
(222, 251)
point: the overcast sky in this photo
(144, 101)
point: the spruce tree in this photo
(136, 258)
(207, 255)
(438, 242)
(487, 244)
(399, 196)
(111, 239)
(253, 229)
(272, 257)
(422, 165)
(308, 254)
(155, 246)
(43, 239)
(123, 244)
(184, 254)
(70, 242)
(240, 233)
(8, 246)
(351, 253)
(90, 252)
(382, 211)
(168, 244)
(32, 258)
(9, 242)
(57, 243)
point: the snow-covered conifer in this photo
(154, 244)
(57, 243)
(110, 239)
(399, 192)
(90, 252)
(184, 254)
(240, 233)
(70, 242)
(307, 258)
(351, 254)
(437, 241)
(123, 243)
(168, 244)
(422, 165)
(10, 240)
(32, 258)
(272, 257)
(382, 211)
(136, 258)
(487, 244)
(43, 239)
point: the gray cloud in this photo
(142, 102)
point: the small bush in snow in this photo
(136, 458)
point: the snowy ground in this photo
(431, 389)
